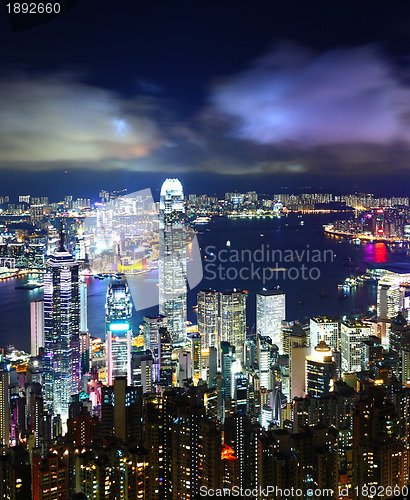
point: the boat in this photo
(99, 276)
(30, 285)
(201, 220)
(349, 283)
(228, 243)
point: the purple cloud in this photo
(338, 97)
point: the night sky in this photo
(224, 95)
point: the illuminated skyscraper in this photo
(61, 331)
(270, 312)
(37, 325)
(232, 317)
(118, 317)
(4, 405)
(172, 259)
(208, 326)
(320, 371)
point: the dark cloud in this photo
(292, 96)
(56, 119)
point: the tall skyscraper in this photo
(83, 306)
(61, 331)
(232, 317)
(352, 335)
(320, 371)
(270, 312)
(118, 330)
(324, 328)
(4, 405)
(172, 259)
(151, 327)
(208, 325)
(36, 325)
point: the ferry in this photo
(201, 220)
(348, 283)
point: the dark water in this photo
(304, 297)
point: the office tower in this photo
(37, 326)
(263, 358)
(147, 374)
(209, 365)
(372, 352)
(320, 371)
(388, 306)
(298, 351)
(232, 318)
(270, 312)
(352, 335)
(151, 327)
(196, 358)
(172, 261)
(240, 396)
(324, 328)
(121, 411)
(165, 370)
(4, 405)
(83, 306)
(208, 325)
(249, 354)
(85, 352)
(227, 360)
(61, 331)
(118, 330)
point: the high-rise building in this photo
(83, 306)
(36, 326)
(172, 259)
(270, 312)
(196, 357)
(352, 335)
(320, 371)
(388, 306)
(151, 327)
(118, 331)
(4, 406)
(61, 331)
(232, 318)
(208, 325)
(324, 328)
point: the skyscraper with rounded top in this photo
(172, 259)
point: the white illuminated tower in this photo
(118, 330)
(270, 312)
(61, 331)
(36, 326)
(172, 259)
(208, 312)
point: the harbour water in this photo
(289, 243)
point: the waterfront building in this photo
(36, 326)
